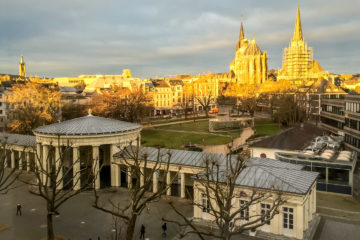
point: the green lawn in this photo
(176, 140)
(264, 127)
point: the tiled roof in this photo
(267, 162)
(179, 157)
(281, 179)
(259, 172)
(18, 139)
(88, 125)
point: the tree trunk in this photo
(50, 228)
(131, 228)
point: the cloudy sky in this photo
(166, 37)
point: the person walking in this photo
(142, 232)
(18, 209)
(164, 228)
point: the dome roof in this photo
(252, 49)
(88, 125)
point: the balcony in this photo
(333, 102)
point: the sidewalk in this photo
(338, 206)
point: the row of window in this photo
(352, 107)
(351, 123)
(288, 213)
(332, 122)
(332, 109)
(352, 141)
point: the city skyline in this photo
(156, 38)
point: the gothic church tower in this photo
(22, 70)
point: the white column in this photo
(12, 159)
(129, 177)
(27, 158)
(168, 183)
(76, 168)
(155, 181)
(20, 155)
(59, 168)
(142, 172)
(113, 169)
(45, 170)
(182, 185)
(38, 160)
(96, 167)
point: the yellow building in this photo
(298, 64)
(250, 63)
(268, 178)
(22, 69)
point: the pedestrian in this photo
(164, 228)
(142, 232)
(18, 209)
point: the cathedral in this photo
(298, 64)
(250, 63)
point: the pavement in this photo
(245, 134)
(78, 219)
(335, 229)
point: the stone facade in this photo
(250, 64)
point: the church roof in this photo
(88, 125)
(316, 67)
(252, 49)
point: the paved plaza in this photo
(78, 219)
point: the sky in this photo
(161, 38)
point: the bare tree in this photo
(55, 180)
(219, 186)
(7, 176)
(143, 169)
(186, 105)
(205, 102)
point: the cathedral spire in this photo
(298, 31)
(22, 71)
(241, 37)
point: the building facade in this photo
(250, 63)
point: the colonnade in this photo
(23, 159)
(46, 161)
(116, 182)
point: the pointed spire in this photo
(241, 37)
(22, 59)
(298, 31)
(241, 30)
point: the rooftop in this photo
(260, 172)
(88, 125)
(323, 149)
(18, 139)
(293, 139)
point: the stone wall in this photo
(228, 124)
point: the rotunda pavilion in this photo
(93, 140)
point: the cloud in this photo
(160, 37)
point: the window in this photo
(265, 213)
(205, 203)
(288, 218)
(244, 213)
